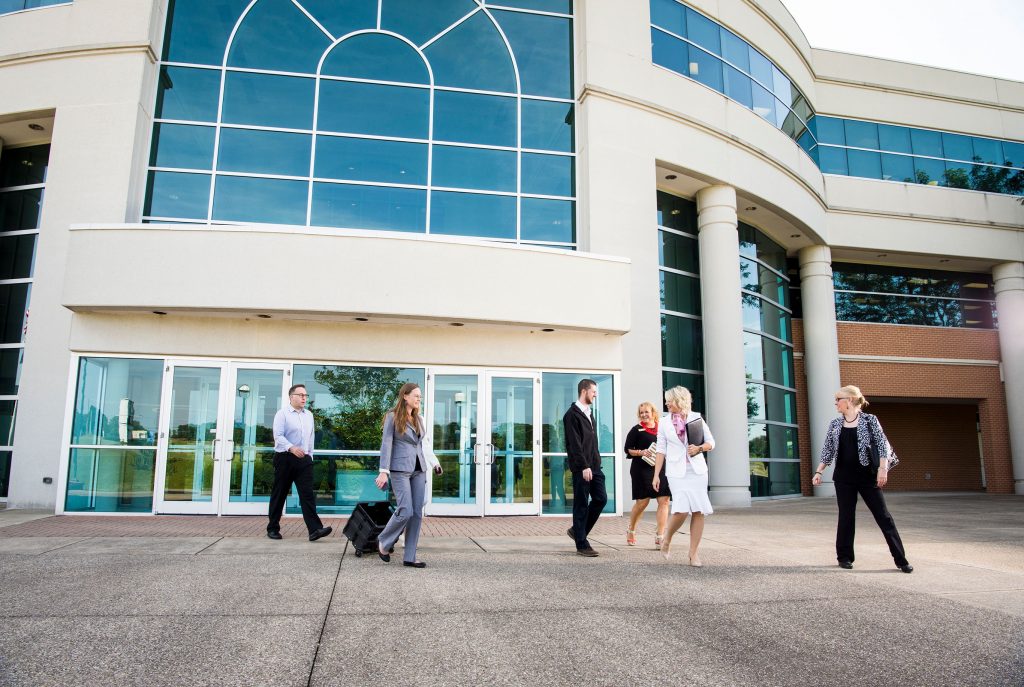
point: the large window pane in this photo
(894, 138)
(738, 87)
(764, 103)
(735, 50)
(680, 293)
(188, 94)
(759, 279)
(473, 118)
(670, 52)
(24, 166)
(420, 21)
(770, 403)
(377, 57)
(756, 244)
(925, 142)
(760, 315)
(548, 175)
(767, 359)
(263, 152)
(547, 125)
(929, 171)
(1014, 153)
(894, 309)
(360, 108)
(703, 32)
(782, 87)
(864, 164)
(178, 195)
(548, 220)
(988, 150)
(476, 168)
(349, 403)
(678, 252)
(473, 214)
(20, 209)
(10, 375)
(861, 134)
(693, 382)
(117, 401)
(183, 147)
(363, 159)
(832, 160)
(670, 15)
(271, 100)
(957, 147)
(183, 41)
(5, 472)
(677, 213)
(369, 207)
(897, 167)
(276, 35)
(17, 256)
(543, 50)
(110, 480)
(706, 69)
(8, 410)
(342, 18)
(271, 201)
(682, 344)
(771, 441)
(558, 392)
(13, 311)
(473, 55)
(830, 130)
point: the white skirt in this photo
(690, 492)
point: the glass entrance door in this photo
(454, 407)
(190, 447)
(511, 478)
(254, 394)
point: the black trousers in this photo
(288, 470)
(588, 500)
(846, 496)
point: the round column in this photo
(1009, 282)
(821, 351)
(725, 380)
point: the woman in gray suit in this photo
(404, 460)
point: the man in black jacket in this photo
(589, 495)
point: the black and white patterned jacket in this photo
(870, 437)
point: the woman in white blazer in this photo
(685, 468)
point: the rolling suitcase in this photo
(365, 524)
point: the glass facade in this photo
(903, 295)
(691, 44)
(348, 405)
(767, 340)
(453, 118)
(874, 150)
(22, 184)
(697, 47)
(768, 363)
(558, 393)
(8, 6)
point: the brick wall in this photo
(954, 388)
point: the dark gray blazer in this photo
(399, 452)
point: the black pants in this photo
(846, 496)
(588, 500)
(289, 469)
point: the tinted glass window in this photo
(188, 94)
(476, 168)
(473, 214)
(861, 134)
(897, 168)
(864, 164)
(548, 175)
(264, 152)
(375, 109)
(894, 138)
(547, 125)
(369, 207)
(670, 15)
(377, 57)
(474, 118)
(277, 36)
(268, 100)
(246, 199)
(182, 146)
(926, 142)
(703, 32)
(548, 220)
(543, 50)
(364, 159)
(473, 55)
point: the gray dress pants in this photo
(409, 490)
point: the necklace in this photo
(855, 418)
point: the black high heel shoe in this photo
(386, 557)
(416, 564)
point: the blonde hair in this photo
(680, 397)
(646, 404)
(856, 397)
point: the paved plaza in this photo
(210, 601)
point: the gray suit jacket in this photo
(399, 452)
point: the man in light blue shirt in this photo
(293, 463)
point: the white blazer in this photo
(675, 453)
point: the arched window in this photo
(446, 117)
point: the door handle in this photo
(490, 454)
(476, 454)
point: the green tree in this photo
(363, 397)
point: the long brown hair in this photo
(403, 415)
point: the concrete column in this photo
(723, 345)
(1009, 282)
(821, 351)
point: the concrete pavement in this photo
(769, 608)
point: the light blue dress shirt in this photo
(293, 428)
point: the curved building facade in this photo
(204, 202)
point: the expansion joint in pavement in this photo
(327, 614)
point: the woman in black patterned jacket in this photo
(858, 446)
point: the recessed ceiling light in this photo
(263, 317)
(944, 260)
(794, 236)
(750, 208)
(547, 329)
(35, 127)
(457, 324)
(883, 255)
(676, 211)
(159, 312)
(670, 177)
(362, 319)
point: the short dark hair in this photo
(293, 387)
(584, 385)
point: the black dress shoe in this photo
(322, 532)
(846, 565)
(908, 568)
(416, 564)
(589, 553)
(383, 556)
(571, 535)
(274, 534)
